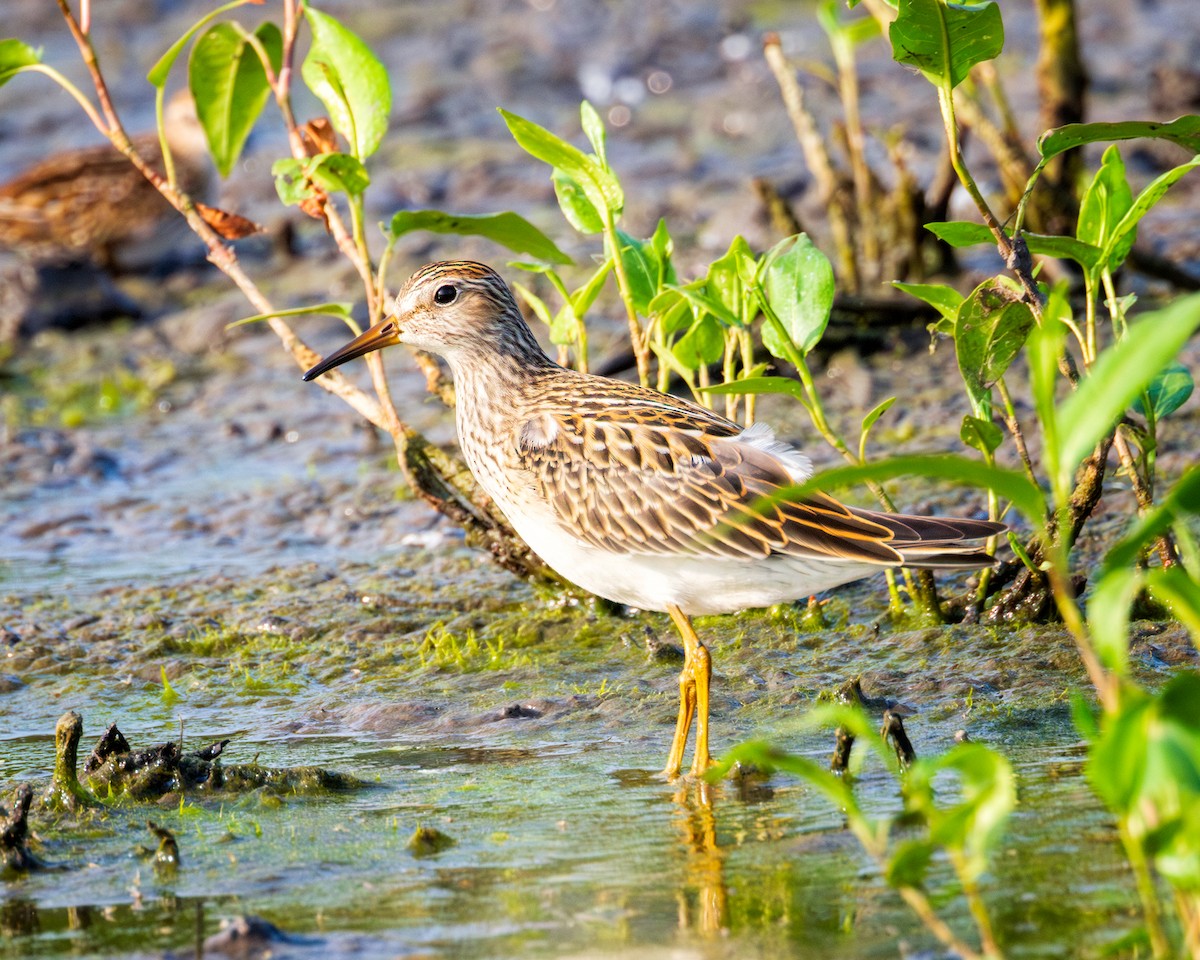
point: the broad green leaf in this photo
(593, 129)
(583, 298)
(162, 68)
(13, 55)
(945, 300)
(1119, 375)
(701, 301)
(726, 279)
(580, 212)
(1168, 391)
(290, 182)
(1121, 238)
(1007, 484)
(702, 345)
(508, 229)
(663, 246)
(1117, 761)
(760, 385)
(349, 80)
(1108, 616)
(909, 863)
(945, 40)
(337, 173)
(1063, 248)
(538, 305)
(230, 86)
(1105, 202)
(799, 287)
(1184, 131)
(990, 330)
(960, 233)
(1045, 347)
(672, 310)
(642, 270)
(982, 435)
(600, 186)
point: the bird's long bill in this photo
(383, 334)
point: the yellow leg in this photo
(693, 699)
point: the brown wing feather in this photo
(661, 478)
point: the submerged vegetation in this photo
(1103, 379)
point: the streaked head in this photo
(452, 308)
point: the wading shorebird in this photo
(640, 497)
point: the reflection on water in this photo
(703, 897)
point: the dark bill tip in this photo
(383, 334)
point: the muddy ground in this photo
(191, 537)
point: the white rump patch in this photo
(540, 431)
(759, 434)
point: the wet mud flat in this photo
(201, 549)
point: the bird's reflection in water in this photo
(703, 898)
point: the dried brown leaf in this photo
(230, 226)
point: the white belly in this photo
(697, 585)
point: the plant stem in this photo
(1159, 944)
(636, 338)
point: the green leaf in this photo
(982, 435)
(760, 385)
(1121, 238)
(1063, 248)
(593, 129)
(702, 302)
(230, 86)
(945, 40)
(990, 330)
(642, 270)
(597, 183)
(799, 287)
(945, 300)
(337, 173)
(583, 298)
(290, 182)
(909, 863)
(1184, 131)
(162, 68)
(672, 310)
(507, 229)
(868, 422)
(1119, 375)
(1108, 616)
(960, 233)
(1168, 391)
(13, 56)
(726, 280)
(575, 205)
(1008, 484)
(702, 345)
(349, 80)
(319, 309)
(1105, 202)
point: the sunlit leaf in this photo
(600, 186)
(1168, 391)
(337, 173)
(642, 270)
(13, 56)
(580, 212)
(1123, 234)
(726, 279)
(1181, 500)
(1108, 616)
(945, 300)
(1008, 484)
(162, 68)
(1105, 202)
(1119, 375)
(799, 286)
(990, 330)
(349, 80)
(945, 40)
(593, 129)
(960, 233)
(230, 86)
(760, 385)
(1184, 131)
(702, 345)
(507, 229)
(982, 435)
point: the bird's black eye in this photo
(445, 294)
